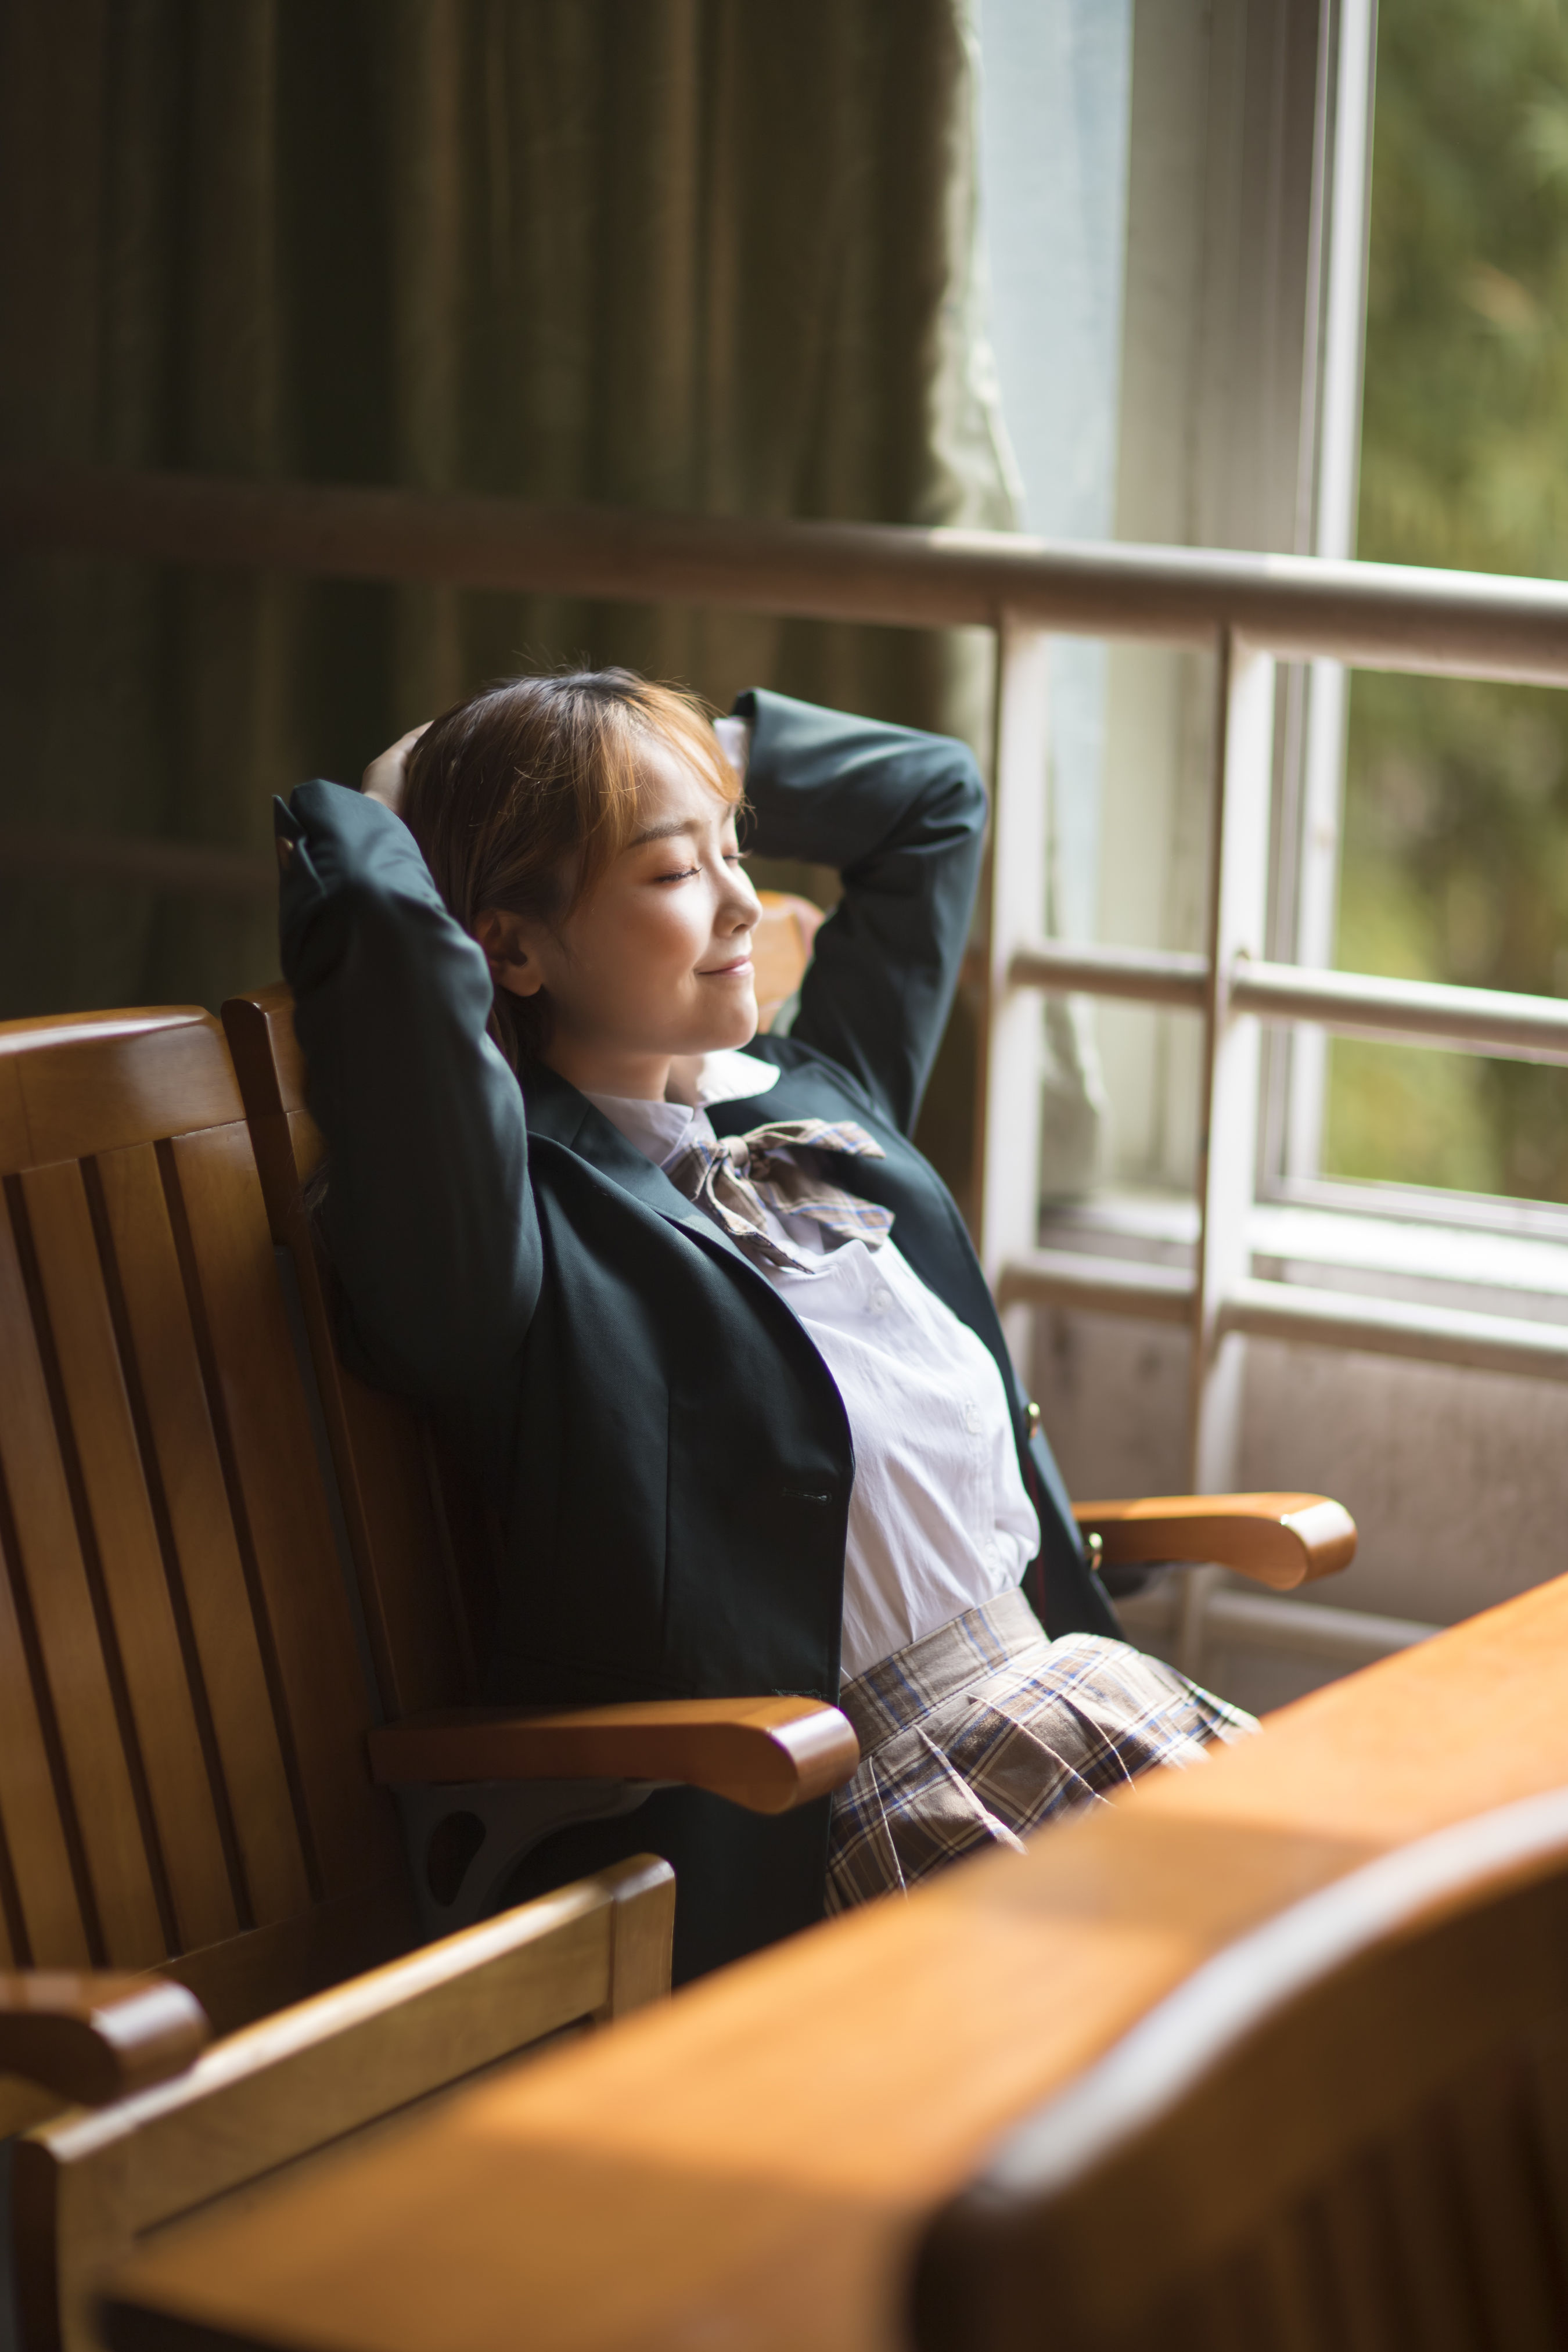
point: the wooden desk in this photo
(743, 2170)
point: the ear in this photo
(505, 940)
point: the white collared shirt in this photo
(939, 1519)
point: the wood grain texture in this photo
(282, 1520)
(642, 1937)
(58, 1638)
(88, 2184)
(181, 1744)
(94, 2038)
(139, 1625)
(767, 1754)
(268, 1062)
(1277, 1539)
(183, 1775)
(751, 2164)
(1398, 2041)
(91, 1082)
(412, 1588)
(43, 1913)
(206, 1558)
(247, 1976)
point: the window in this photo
(1381, 1213)
(1456, 839)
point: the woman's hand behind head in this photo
(387, 778)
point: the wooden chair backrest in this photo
(781, 949)
(424, 1561)
(420, 1558)
(1350, 2128)
(183, 1708)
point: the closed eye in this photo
(684, 876)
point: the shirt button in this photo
(972, 1421)
(880, 1301)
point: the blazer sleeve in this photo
(901, 816)
(427, 1216)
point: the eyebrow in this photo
(663, 831)
(671, 826)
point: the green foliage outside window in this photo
(1456, 847)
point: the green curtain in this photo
(710, 255)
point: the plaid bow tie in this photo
(734, 1177)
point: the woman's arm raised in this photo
(903, 816)
(428, 1217)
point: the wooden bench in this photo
(755, 2163)
(1351, 2128)
(477, 1787)
(185, 1711)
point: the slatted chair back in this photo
(183, 1707)
(423, 1557)
(1349, 2129)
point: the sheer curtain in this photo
(698, 254)
(1057, 91)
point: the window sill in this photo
(1414, 1260)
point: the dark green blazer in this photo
(666, 1451)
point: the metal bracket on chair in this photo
(465, 1837)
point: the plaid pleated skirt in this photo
(985, 1729)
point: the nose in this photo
(742, 909)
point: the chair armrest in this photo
(766, 1754)
(1278, 1539)
(93, 2038)
(296, 2084)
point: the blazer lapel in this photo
(557, 1112)
(926, 1224)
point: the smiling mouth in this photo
(726, 971)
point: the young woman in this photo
(708, 1326)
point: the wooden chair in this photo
(757, 2164)
(477, 1788)
(781, 949)
(1350, 2129)
(185, 1707)
(423, 1564)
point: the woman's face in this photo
(655, 963)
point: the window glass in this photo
(1455, 832)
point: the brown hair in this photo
(521, 797)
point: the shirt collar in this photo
(729, 1075)
(657, 1129)
(661, 1130)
